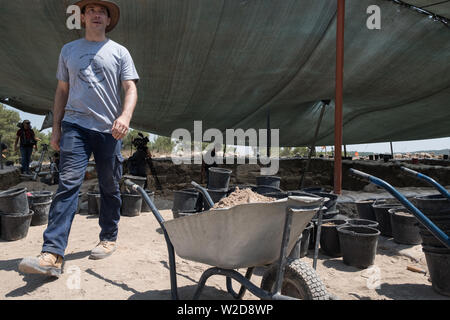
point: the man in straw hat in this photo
(88, 117)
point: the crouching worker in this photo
(88, 118)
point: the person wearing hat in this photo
(88, 118)
(27, 141)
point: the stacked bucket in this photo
(15, 214)
(40, 202)
(19, 210)
(190, 201)
(437, 209)
(131, 199)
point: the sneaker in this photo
(103, 249)
(46, 263)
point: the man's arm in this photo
(122, 123)
(61, 96)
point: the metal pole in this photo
(313, 145)
(345, 151)
(338, 114)
(1, 153)
(392, 150)
(269, 141)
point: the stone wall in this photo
(321, 173)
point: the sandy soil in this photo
(139, 267)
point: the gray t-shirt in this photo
(94, 71)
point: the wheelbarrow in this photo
(423, 219)
(245, 236)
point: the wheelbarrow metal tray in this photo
(242, 236)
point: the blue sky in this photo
(402, 146)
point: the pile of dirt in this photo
(241, 196)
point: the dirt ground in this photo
(139, 267)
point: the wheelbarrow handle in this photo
(423, 219)
(147, 199)
(204, 192)
(171, 251)
(360, 174)
(410, 171)
(428, 179)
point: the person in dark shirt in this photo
(27, 141)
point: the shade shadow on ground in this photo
(409, 291)
(186, 292)
(34, 281)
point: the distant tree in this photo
(162, 145)
(8, 129)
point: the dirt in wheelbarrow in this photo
(139, 268)
(241, 196)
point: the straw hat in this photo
(113, 9)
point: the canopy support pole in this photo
(313, 145)
(269, 136)
(338, 114)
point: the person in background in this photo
(27, 142)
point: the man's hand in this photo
(120, 127)
(54, 141)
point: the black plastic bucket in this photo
(41, 211)
(428, 239)
(177, 215)
(363, 222)
(306, 236)
(313, 189)
(216, 196)
(439, 268)
(15, 226)
(295, 252)
(199, 203)
(140, 181)
(145, 207)
(435, 249)
(331, 203)
(329, 238)
(325, 216)
(329, 215)
(298, 193)
(218, 178)
(131, 205)
(80, 195)
(405, 229)
(358, 245)
(271, 181)
(433, 206)
(384, 218)
(263, 190)
(185, 200)
(39, 197)
(14, 200)
(93, 199)
(277, 195)
(231, 189)
(365, 210)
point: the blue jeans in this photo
(25, 154)
(76, 146)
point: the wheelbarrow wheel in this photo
(300, 281)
